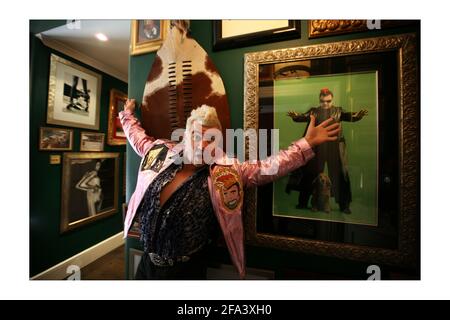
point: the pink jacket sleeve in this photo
(136, 135)
(276, 166)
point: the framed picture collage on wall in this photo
(90, 178)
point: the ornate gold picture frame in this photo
(394, 241)
(116, 136)
(147, 35)
(92, 141)
(90, 188)
(55, 139)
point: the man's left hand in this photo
(324, 132)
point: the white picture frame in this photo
(73, 95)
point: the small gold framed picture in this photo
(147, 35)
(90, 188)
(117, 101)
(92, 141)
(55, 139)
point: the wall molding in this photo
(82, 259)
(71, 52)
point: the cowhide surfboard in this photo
(182, 78)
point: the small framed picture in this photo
(117, 101)
(55, 139)
(92, 141)
(229, 34)
(147, 35)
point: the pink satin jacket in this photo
(227, 181)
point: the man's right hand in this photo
(130, 105)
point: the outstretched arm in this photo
(354, 116)
(299, 117)
(297, 155)
(136, 135)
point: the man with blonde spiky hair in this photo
(181, 204)
(202, 119)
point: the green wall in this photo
(47, 246)
(230, 64)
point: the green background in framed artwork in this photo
(353, 92)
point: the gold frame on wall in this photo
(65, 224)
(321, 28)
(137, 48)
(41, 136)
(405, 47)
(98, 134)
(113, 115)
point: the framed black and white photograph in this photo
(117, 101)
(90, 186)
(73, 95)
(229, 34)
(92, 141)
(55, 139)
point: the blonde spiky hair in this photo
(206, 116)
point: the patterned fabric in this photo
(186, 221)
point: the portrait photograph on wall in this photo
(92, 141)
(117, 101)
(73, 95)
(352, 200)
(147, 35)
(89, 188)
(340, 183)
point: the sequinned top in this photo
(186, 221)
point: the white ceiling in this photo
(80, 43)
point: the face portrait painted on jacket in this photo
(231, 196)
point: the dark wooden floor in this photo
(109, 267)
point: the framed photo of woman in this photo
(90, 187)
